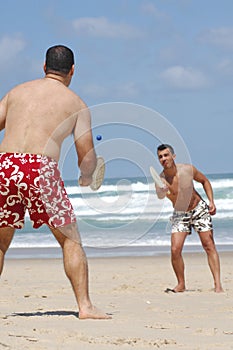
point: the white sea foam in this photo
(128, 213)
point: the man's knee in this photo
(6, 235)
(207, 241)
(176, 251)
(71, 232)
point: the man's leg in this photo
(76, 269)
(177, 243)
(6, 235)
(208, 244)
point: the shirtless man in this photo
(37, 116)
(189, 211)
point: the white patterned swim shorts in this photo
(32, 182)
(199, 218)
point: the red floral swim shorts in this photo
(32, 182)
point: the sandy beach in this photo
(38, 309)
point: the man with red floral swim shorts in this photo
(37, 116)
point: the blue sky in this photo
(170, 56)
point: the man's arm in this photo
(3, 112)
(199, 177)
(85, 147)
(161, 192)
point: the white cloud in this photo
(102, 27)
(184, 78)
(151, 9)
(10, 47)
(221, 37)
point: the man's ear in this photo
(44, 67)
(72, 70)
(174, 156)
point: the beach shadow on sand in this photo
(45, 313)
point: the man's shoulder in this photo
(25, 84)
(184, 167)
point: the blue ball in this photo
(98, 137)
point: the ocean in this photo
(125, 218)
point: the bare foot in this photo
(176, 290)
(219, 289)
(179, 288)
(93, 313)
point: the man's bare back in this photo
(39, 115)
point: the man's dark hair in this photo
(164, 146)
(59, 59)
